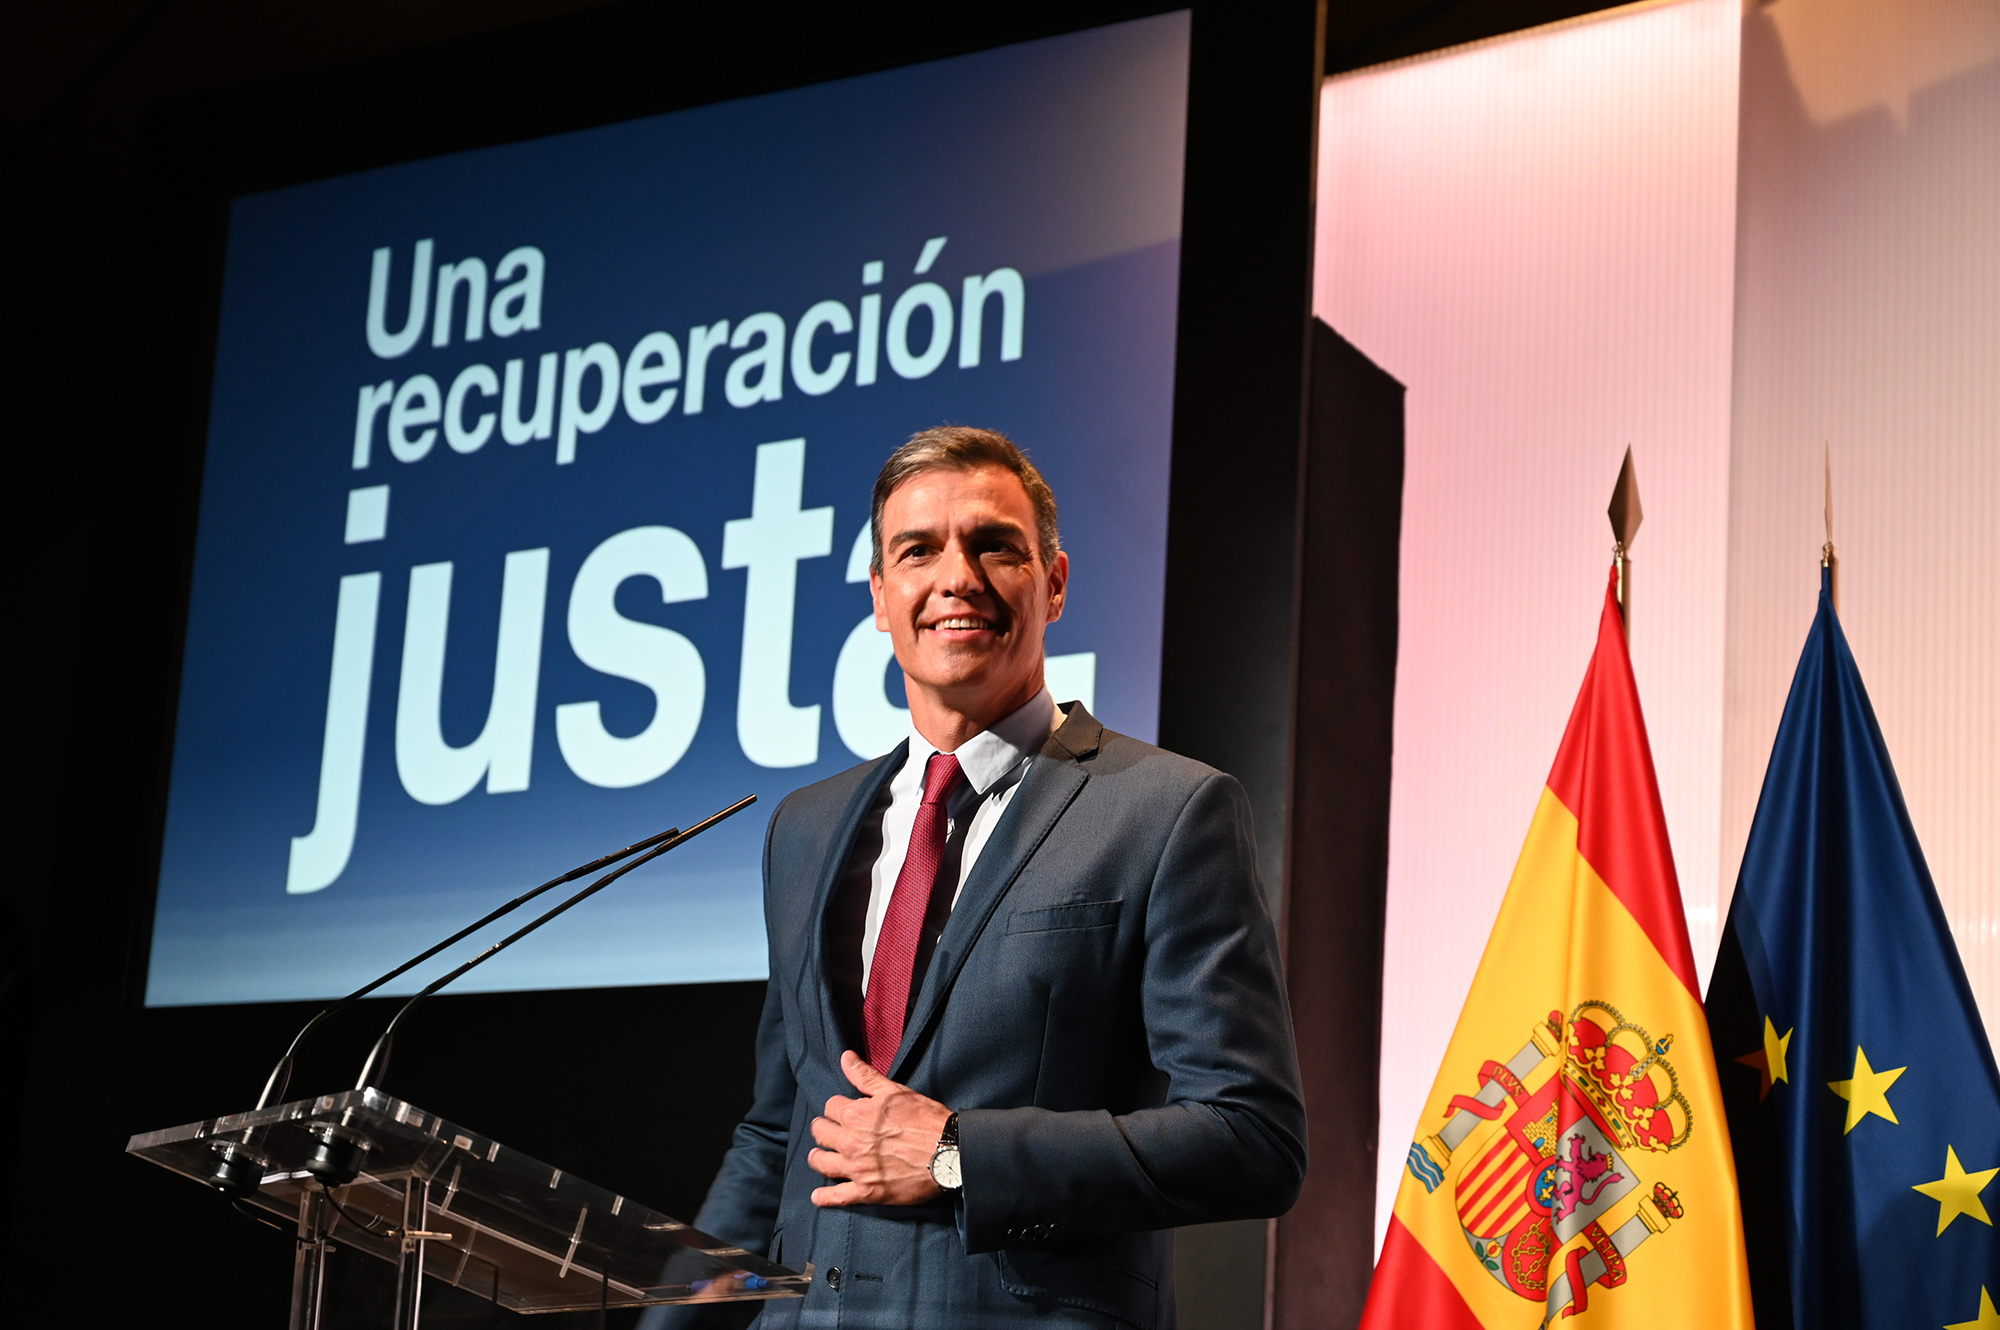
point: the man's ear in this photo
(875, 593)
(1058, 584)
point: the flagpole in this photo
(1626, 515)
(1827, 559)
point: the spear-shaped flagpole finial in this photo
(1626, 515)
(1827, 559)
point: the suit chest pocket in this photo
(1069, 917)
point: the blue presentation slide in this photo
(534, 517)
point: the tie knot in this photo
(942, 776)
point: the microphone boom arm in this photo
(378, 1057)
(281, 1075)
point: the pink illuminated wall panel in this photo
(1536, 236)
(1868, 324)
(1740, 239)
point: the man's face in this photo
(962, 592)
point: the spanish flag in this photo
(1573, 1164)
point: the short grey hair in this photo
(964, 448)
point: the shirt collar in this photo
(989, 755)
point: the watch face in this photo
(945, 1168)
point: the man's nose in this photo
(961, 574)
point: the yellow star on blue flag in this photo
(1770, 1059)
(1989, 1319)
(1867, 1091)
(1957, 1192)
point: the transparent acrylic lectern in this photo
(434, 1199)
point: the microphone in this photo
(377, 1064)
(238, 1174)
(274, 1088)
(336, 1161)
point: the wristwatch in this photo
(944, 1163)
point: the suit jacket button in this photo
(1013, 1235)
(1058, 1231)
(833, 1278)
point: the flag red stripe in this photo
(1480, 1177)
(1482, 1169)
(1506, 1222)
(1604, 775)
(1515, 1189)
(1410, 1290)
(1510, 1187)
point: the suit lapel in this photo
(1051, 785)
(832, 864)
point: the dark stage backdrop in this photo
(635, 1087)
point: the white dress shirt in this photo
(994, 761)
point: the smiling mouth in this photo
(961, 623)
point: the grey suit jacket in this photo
(1104, 1010)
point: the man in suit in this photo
(1025, 1011)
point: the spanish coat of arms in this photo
(1578, 1108)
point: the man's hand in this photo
(878, 1148)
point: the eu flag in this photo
(1861, 1092)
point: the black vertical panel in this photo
(1246, 285)
(1246, 288)
(1351, 517)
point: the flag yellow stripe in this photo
(1511, 1183)
(1492, 1170)
(1482, 1172)
(1512, 1217)
(1562, 937)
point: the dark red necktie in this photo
(887, 1003)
